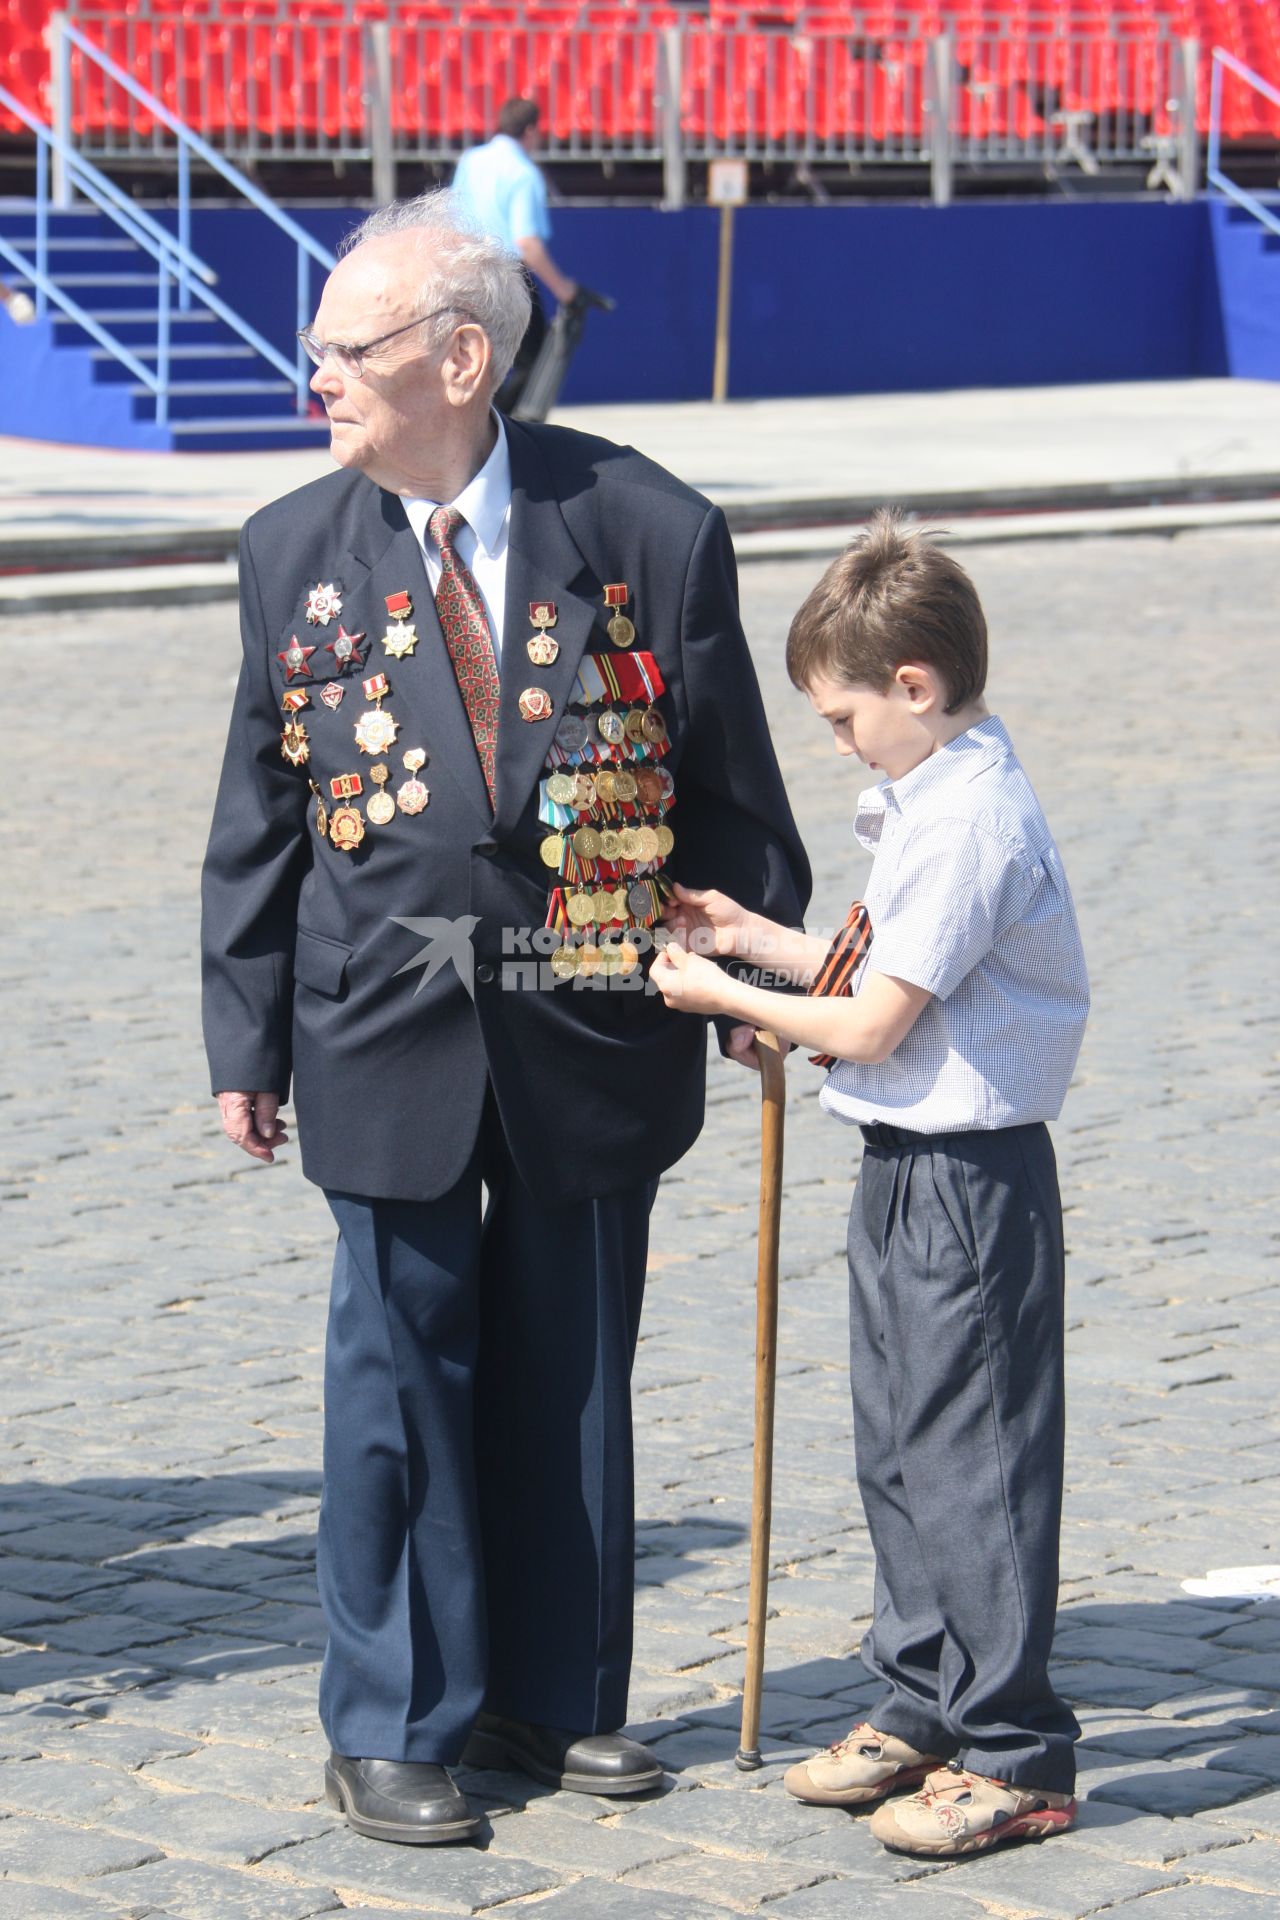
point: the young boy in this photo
(954, 1047)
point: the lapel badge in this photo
(346, 649)
(540, 647)
(323, 602)
(412, 796)
(331, 694)
(294, 702)
(536, 704)
(621, 631)
(294, 744)
(295, 659)
(399, 606)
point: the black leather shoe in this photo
(582, 1762)
(403, 1800)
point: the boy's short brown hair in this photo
(892, 596)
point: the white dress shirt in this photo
(481, 545)
(968, 899)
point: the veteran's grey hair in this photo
(464, 270)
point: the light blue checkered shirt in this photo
(968, 898)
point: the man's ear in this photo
(466, 366)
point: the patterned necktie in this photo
(466, 634)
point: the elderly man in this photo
(484, 667)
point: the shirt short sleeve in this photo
(527, 208)
(954, 888)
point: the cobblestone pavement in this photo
(163, 1313)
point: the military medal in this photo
(580, 909)
(552, 850)
(376, 730)
(621, 631)
(323, 603)
(294, 702)
(331, 693)
(610, 727)
(654, 727)
(346, 649)
(399, 638)
(536, 704)
(412, 796)
(625, 785)
(571, 734)
(561, 788)
(322, 812)
(294, 744)
(541, 648)
(381, 807)
(666, 840)
(346, 828)
(564, 962)
(633, 725)
(296, 659)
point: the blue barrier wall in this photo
(1245, 279)
(849, 299)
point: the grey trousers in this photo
(956, 1364)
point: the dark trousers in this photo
(508, 395)
(476, 1543)
(956, 1359)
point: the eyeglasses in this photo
(351, 358)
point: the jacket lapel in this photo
(543, 563)
(387, 553)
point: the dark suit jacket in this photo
(597, 1090)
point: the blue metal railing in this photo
(1223, 62)
(64, 38)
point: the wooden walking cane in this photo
(773, 1099)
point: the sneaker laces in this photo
(856, 1738)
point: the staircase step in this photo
(198, 436)
(107, 316)
(186, 389)
(100, 280)
(208, 350)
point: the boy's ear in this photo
(920, 684)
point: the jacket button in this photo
(484, 973)
(487, 847)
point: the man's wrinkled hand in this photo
(741, 1046)
(251, 1121)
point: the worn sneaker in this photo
(959, 1812)
(864, 1766)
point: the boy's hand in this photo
(689, 982)
(709, 922)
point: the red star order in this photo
(296, 659)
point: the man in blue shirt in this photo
(500, 188)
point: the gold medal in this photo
(588, 959)
(346, 829)
(580, 910)
(630, 956)
(294, 744)
(653, 726)
(552, 850)
(666, 840)
(625, 785)
(646, 844)
(542, 650)
(561, 788)
(564, 962)
(586, 843)
(607, 785)
(610, 727)
(633, 725)
(411, 795)
(400, 640)
(610, 845)
(381, 808)
(584, 793)
(621, 631)
(628, 837)
(610, 957)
